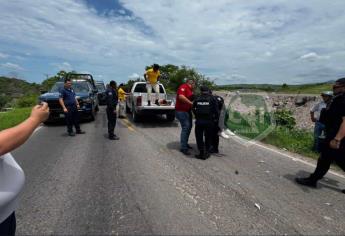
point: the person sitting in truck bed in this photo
(152, 76)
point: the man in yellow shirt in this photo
(122, 100)
(152, 76)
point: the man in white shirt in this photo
(11, 175)
(315, 113)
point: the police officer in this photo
(206, 111)
(216, 129)
(333, 147)
(112, 100)
(70, 106)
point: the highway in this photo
(142, 184)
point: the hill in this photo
(11, 89)
(314, 88)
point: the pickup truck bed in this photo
(136, 103)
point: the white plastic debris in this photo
(328, 204)
(257, 206)
(327, 218)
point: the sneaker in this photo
(229, 132)
(71, 134)
(189, 146)
(81, 132)
(224, 135)
(185, 152)
(156, 102)
(149, 103)
(306, 182)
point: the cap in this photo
(204, 88)
(327, 93)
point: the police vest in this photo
(203, 110)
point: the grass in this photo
(14, 117)
(259, 127)
(297, 141)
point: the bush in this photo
(26, 101)
(4, 100)
(285, 119)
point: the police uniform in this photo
(72, 116)
(112, 100)
(216, 129)
(332, 118)
(206, 111)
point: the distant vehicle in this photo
(101, 92)
(86, 95)
(136, 103)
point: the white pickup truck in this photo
(136, 103)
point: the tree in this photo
(173, 76)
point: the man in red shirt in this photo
(183, 107)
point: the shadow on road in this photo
(152, 121)
(329, 183)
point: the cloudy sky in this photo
(231, 41)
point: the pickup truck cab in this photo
(85, 93)
(136, 103)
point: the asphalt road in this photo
(142, 184)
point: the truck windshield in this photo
(79, 87)
(100, 87)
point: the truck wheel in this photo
(127, 109)
(135, 116)
(171, 117)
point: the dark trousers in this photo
(8, 226)
(215, 137)
(72, 118)
(111, 114)
(203, 135)
(327, 157)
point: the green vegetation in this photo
(12, 89)
(282, 134)
(316, 88)
(14, 117)
(293, 140)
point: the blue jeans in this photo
(185, 119)
(319, 127)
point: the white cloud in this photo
(262, 39)
(134, 76)
(3, 55)
(11, 66)
(65, 66)
(313, 56)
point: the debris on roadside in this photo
(257, 206)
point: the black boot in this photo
(307, 182)
(201, 155)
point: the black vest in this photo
(203, 108)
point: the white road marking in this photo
(289, 156)
(37, 129)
